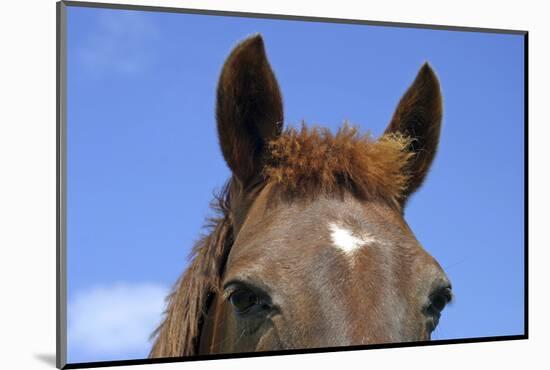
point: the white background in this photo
(27, 181)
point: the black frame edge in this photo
(287, 17)
(61, 263)
(526, 181)
(87, 365)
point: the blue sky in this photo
(143, 158)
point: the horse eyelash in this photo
(228, 291)
(232, 287)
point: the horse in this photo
(309, 247)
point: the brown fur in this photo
(306, 162)
(418, 115)
(249, 108)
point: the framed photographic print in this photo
(235, 185)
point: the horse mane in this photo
(305, 162)
(179, 332)
(310, 161)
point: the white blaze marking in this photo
(345, 240)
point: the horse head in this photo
(311, 248)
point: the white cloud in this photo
(118, 42)
(114, 322)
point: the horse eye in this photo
(438, 301)
(243, 300)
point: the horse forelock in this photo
(312, 161)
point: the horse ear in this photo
(249, 108)
(418, 115)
